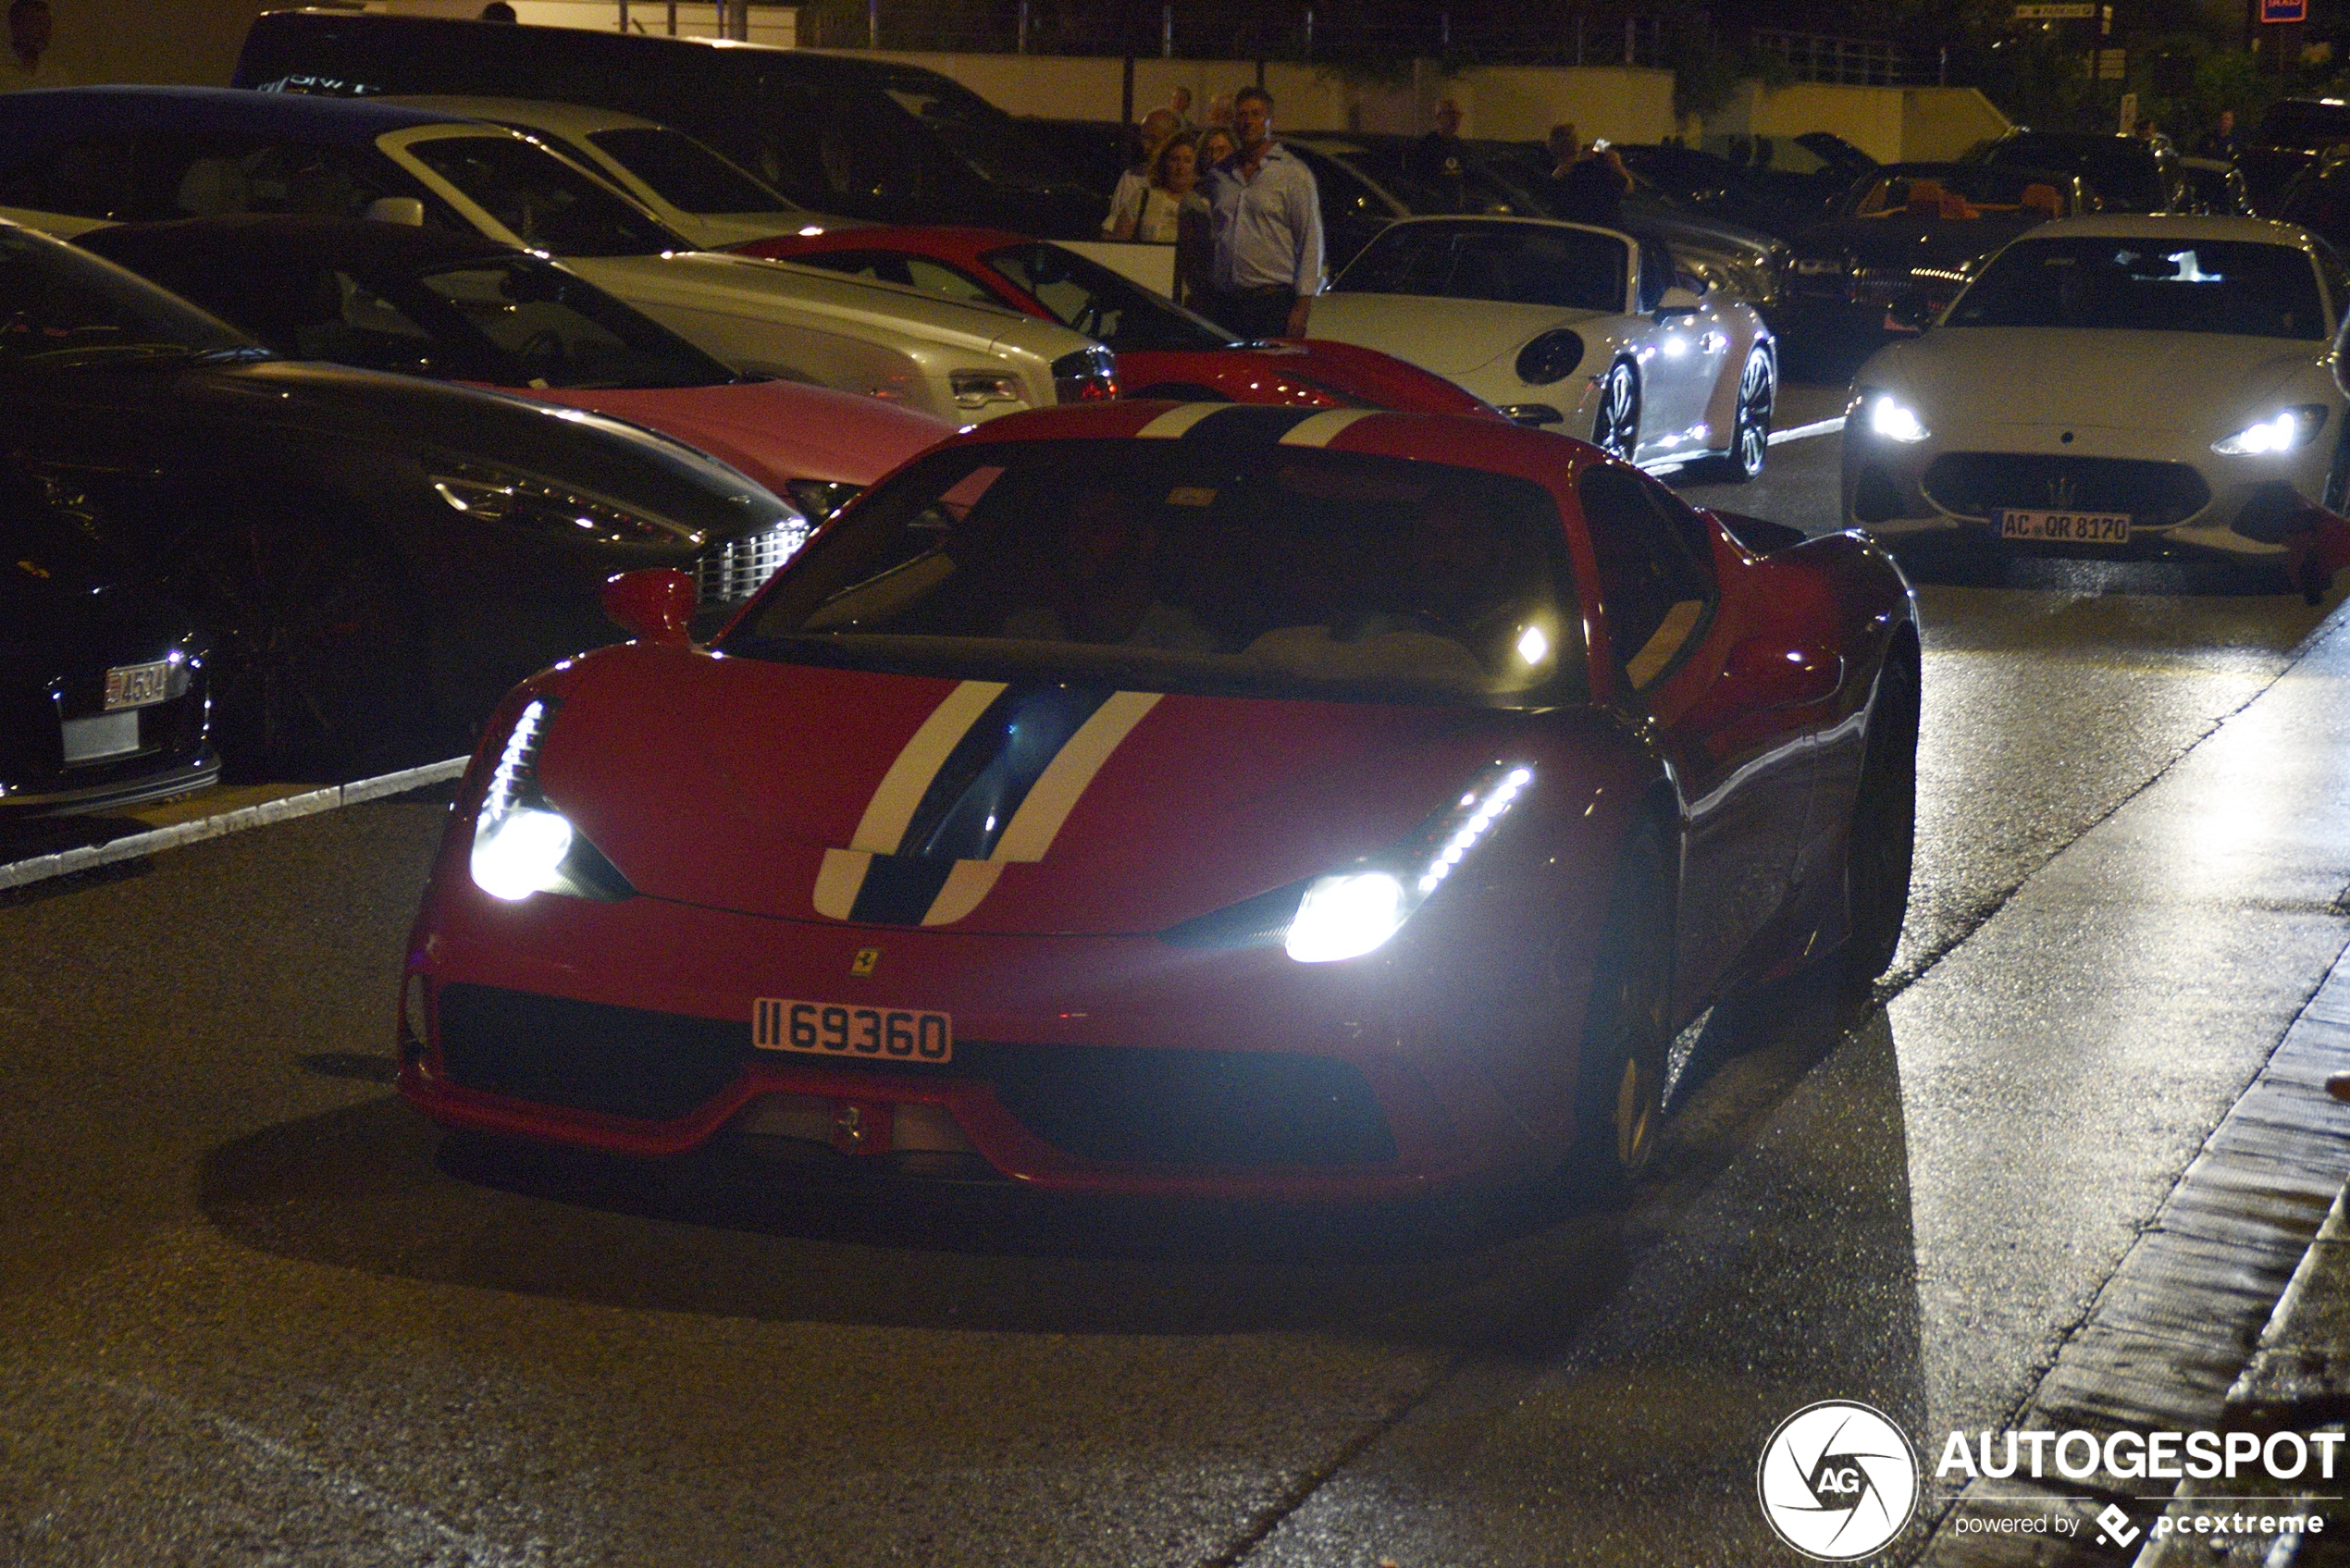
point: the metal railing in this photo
(1850, 62)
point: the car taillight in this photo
(1086, 375)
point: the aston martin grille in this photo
(1974, 484)
(730, 573)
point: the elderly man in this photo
(1264, 225)
(1440, 161)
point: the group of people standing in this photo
(1240, 211)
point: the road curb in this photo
(132, 846)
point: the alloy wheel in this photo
(1616, 428)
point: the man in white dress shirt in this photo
(1265, 220)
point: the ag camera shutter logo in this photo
(1837, 1480)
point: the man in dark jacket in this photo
(1587, 186)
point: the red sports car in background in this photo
(390, 296)
(1163, 350)
(1182, 799)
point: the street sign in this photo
(2129, 114)
(2068, 11)
(2284, 10)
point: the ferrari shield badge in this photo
(863, 963)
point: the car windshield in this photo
(60, 307)
(2153, 284)
(975, 131)
(1520, 264)
(685, 174)
(2121, 168)
(1090, 298)
(1189, 567)
(542, 200)
(1958, 192)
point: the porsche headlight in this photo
(2281, 431)
(1895, 420)
(522, 845)
(1550, 357)
(1349, 914)
(490, 495)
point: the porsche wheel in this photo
(1615, 429)
(1883, 834)
(1750, 423)
(318, 657)
(1627, 1028)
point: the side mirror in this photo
(397, 209)
(1679, 301)
(655, 605)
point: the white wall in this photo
(1890, 124)
(769, 24)
(183, 42)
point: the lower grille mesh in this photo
(1113, 1107)
(2155, 494)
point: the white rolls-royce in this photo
(1568, 327)
(2122, 387)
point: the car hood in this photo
(1449, 337)
(641, 467)
(749, 287)
(774, 431)
(741, 784)
(2049, 376)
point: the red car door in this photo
(1729, 711)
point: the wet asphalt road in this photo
(253, 1312)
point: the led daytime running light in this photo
(1350, 913)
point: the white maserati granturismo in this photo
(1568, 327)
(2122, 386)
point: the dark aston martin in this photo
(1911, 235)
(377, 556)
(104, 685)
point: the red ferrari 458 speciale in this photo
(1182, 798)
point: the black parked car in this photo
(862, 137)
(1915, 232)
(379, 556)
(2129, 176)
(105, 685)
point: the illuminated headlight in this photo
(522, 845)
(1895, 420)
(977, 389)
(489, 496)
(1351, 913)
(2281, 431)
(520, 854)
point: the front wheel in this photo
(1750, 423)
(1881, 839)
(1615, 428)
(1619, 1102)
